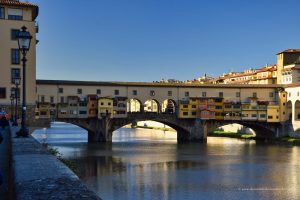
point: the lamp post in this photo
(12, 98)
(17, 97)
(24, 39)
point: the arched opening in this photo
(297, 110)
(61, 132)
(151, 106)
(232, 130)
(169, 106)
(289, 110)
(134, 105)
(143, 131)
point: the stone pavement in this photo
(40, 175)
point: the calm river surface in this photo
(148, 164)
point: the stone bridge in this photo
(188, 130)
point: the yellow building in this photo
(273, 113)
(14, 15)
(105, 107)
(219, 108)
(185, 108)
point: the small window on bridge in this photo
(98, 91)
(169, 93)
(134, 92)
(61, 90)
(185, 113)
(186, 94)
(152, 93)
(117, 92)
(270, 117)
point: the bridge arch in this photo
(134, 105)
(152, 105)
(297, 110)
(182, 129)
(168, 106)
(262, 130)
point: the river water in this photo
(148, 164)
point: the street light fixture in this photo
(24, 39)
(17, 81)
(12, 98)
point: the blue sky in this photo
(146, 40)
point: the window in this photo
(61, 90)
(185, 106)
(52, 99)
(254, 94)
(102, 103)
(270, 117)
(14, 34)
(15, 14)
(193, 113)
(221, 94)
(2, 93)
(152, 93)
(203, 94)
(193, 106)
(15, 73)
(289, 94)
(262, 116)
(134, 92)
(15, 56)
(82, 112)
(79, 91)
(43, 99)
(62, 99)
(186, 94)
(169, 93)
(98, 91)
(271, 94)
(253, 115)
(185, 113)
(2, 13)
(116, 92)
(218, 107)
(109, 103)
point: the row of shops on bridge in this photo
(208, 108)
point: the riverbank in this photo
(155, 128)
(282, 141)
(232, 135)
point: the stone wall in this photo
(40, 175)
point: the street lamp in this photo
(17, 81)
(24, 39)
(12, 98)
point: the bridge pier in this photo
(100, 130)
(196, 131)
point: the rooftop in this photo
(290, 51)
(35, 8)
(150, 84)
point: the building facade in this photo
(14, 15)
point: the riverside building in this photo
(13, 15)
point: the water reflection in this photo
(151, 165)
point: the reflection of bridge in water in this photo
(188, 130)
